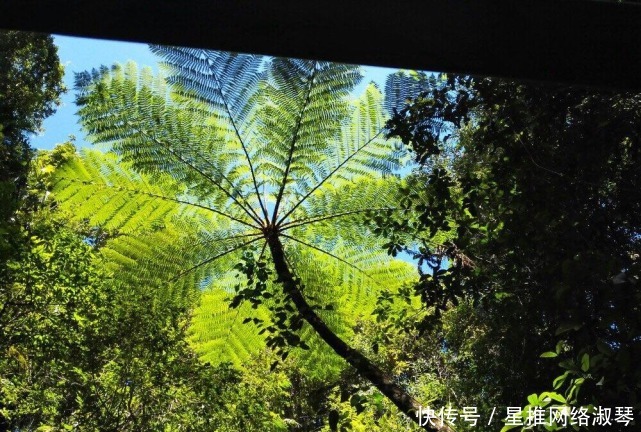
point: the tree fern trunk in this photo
(382, 381)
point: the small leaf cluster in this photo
(282, 330)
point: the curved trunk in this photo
(382, 381)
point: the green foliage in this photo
(364, 411)
(249, 179)
(30, 89)
(213, 162)
(31, 84)
(84, 349)
(144, 290)
(547, 232)
(199, 173)
(32, 282)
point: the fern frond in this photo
(363, 144)
(128, 201)
(350, 289)
(328, 204)
(362, 150)
(403, 86)
(218, 332)
(132, 113)
(226, 82)
(215, 257)
(302, 107)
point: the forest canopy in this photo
(250, 246)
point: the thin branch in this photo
(327, 253)
(308, 194)
(199, 171)
(534, 161)
(313, 219)
(293, 145)
(208, 260)
(242, 144)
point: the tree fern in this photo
(230, 158)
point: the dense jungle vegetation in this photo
(251, 247)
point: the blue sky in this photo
(80, 54)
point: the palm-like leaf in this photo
(233, 152)
(402, 86)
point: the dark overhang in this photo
(570, 41)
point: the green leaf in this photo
(549, 354)
(559, 346)
(558, 381)
(585, 362)
(554, 396)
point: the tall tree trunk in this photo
(382, 381)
